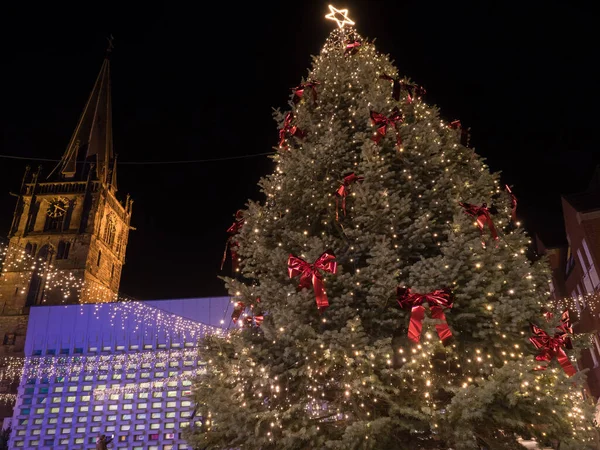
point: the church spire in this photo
(91, 145)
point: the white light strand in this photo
(147, 386)
(16, 367)
(8, 398)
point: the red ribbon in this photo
(352, 46)
(464, 134)
(382, 122)
(564, 328)
(233, 230)
(299, 91)
(237, 311)
(483, 217)
(309, 273)
(293, 130)
(254, 320)
(342, 191)
(513, 204)
(551, 347)
(398, 85)
(437, 300)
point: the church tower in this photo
(69, 231)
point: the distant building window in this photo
(9, 339)
(595, 350)
(63, 250)
(590, 274)
(570, 263)
(29, 249)
(99, 258)
(112, 271)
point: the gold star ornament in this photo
(340, 16)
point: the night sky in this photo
(196, 81)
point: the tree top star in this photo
(340, 16)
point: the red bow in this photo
(299, 91)
(342, 191)
(564, 328)
(254, 320)
(233, 230)
(382, 122)
(240, 307)
(437, 300)
(483, 217)
(550, 347)
(289, 128)
(309, 273)
(398, 84)
(351, 47)
(513, 203)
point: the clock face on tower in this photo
(57, 208)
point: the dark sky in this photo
(198, 80)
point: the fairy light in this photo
(8, 398)
(14, 368)
(160, 384)
(348, 382)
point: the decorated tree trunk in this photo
(393, 293)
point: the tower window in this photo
(112, 271)
(63, 250)
(29, 249)
(120, 242)
(99, 258)
(110, 231)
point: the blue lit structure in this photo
(121, 369)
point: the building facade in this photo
(576, 272)
(69, 230)
(119, 369)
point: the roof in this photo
(589, 200)
(91, 145)
(584, 201)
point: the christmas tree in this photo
(384, 296)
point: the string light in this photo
(115, 392)
(354, 373)
(8, 398)
(15, 367)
